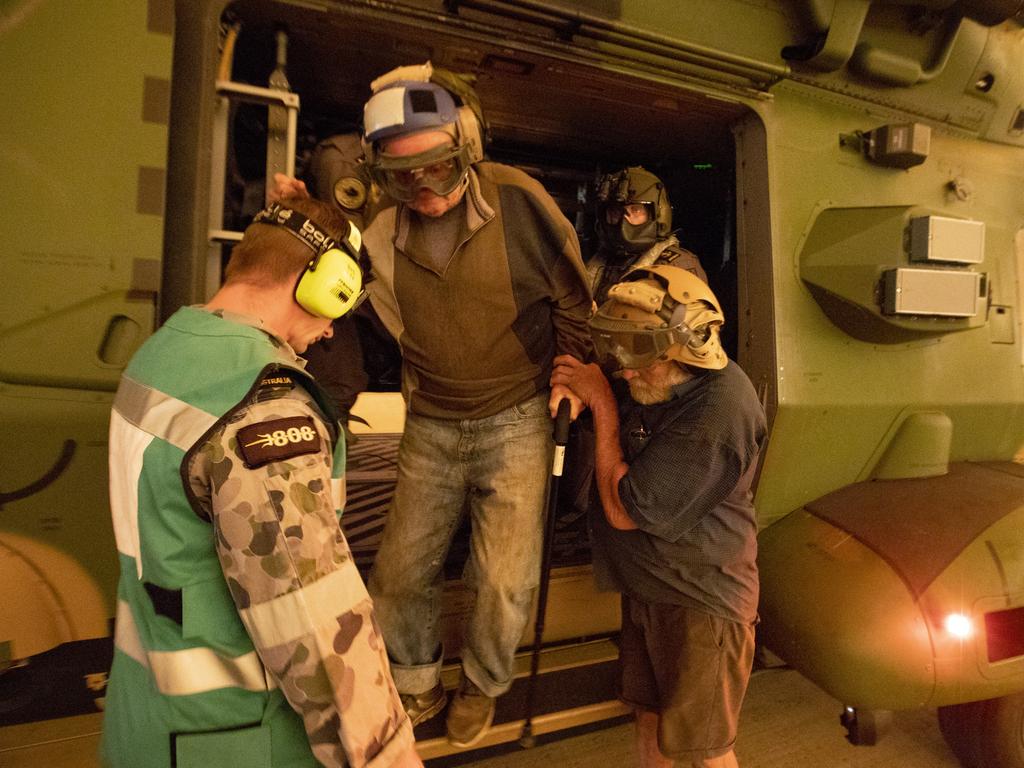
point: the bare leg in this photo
(647, 741)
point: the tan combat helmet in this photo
(656, 313)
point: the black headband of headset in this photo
(315, 238)
(304, 229)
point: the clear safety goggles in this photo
(632, 346)
(439, 169)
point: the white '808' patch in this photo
(277, 439)
(281, 437)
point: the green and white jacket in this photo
(244, 633)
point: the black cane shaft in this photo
(561, 435)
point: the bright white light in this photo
(959, 625)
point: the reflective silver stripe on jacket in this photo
(128, 446)
(338, 492)
(192, 670)
(161, 415)
(141, 414)
(293, 615)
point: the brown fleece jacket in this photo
(478, 330)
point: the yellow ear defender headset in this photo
(332, 282)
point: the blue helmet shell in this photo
(407, 107)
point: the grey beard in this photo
(649, 394)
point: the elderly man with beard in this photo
(674, 529)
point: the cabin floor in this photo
(786, 721)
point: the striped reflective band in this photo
(300, 613)
(192, 670)
(128, 446)
(338, 491)
(141, 414)
(161, 415)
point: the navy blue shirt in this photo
(691, 462)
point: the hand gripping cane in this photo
(526, 738)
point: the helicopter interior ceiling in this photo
(533, 101)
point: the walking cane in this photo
(526, 738)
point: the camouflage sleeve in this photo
(296, 587)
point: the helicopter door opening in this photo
(562, 116)
(564, 122)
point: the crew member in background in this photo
(674, 529)
(340, 176)
(244, 633)
(634, 228)
(479, 279)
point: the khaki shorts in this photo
(691, 668)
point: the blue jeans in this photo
(496, 469)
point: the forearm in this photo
(609, 465)
(311, 622)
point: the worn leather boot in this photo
(423, 706)
(470, 715)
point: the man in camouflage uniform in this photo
(244, 635)
(634, 228)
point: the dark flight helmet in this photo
(633, 185)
